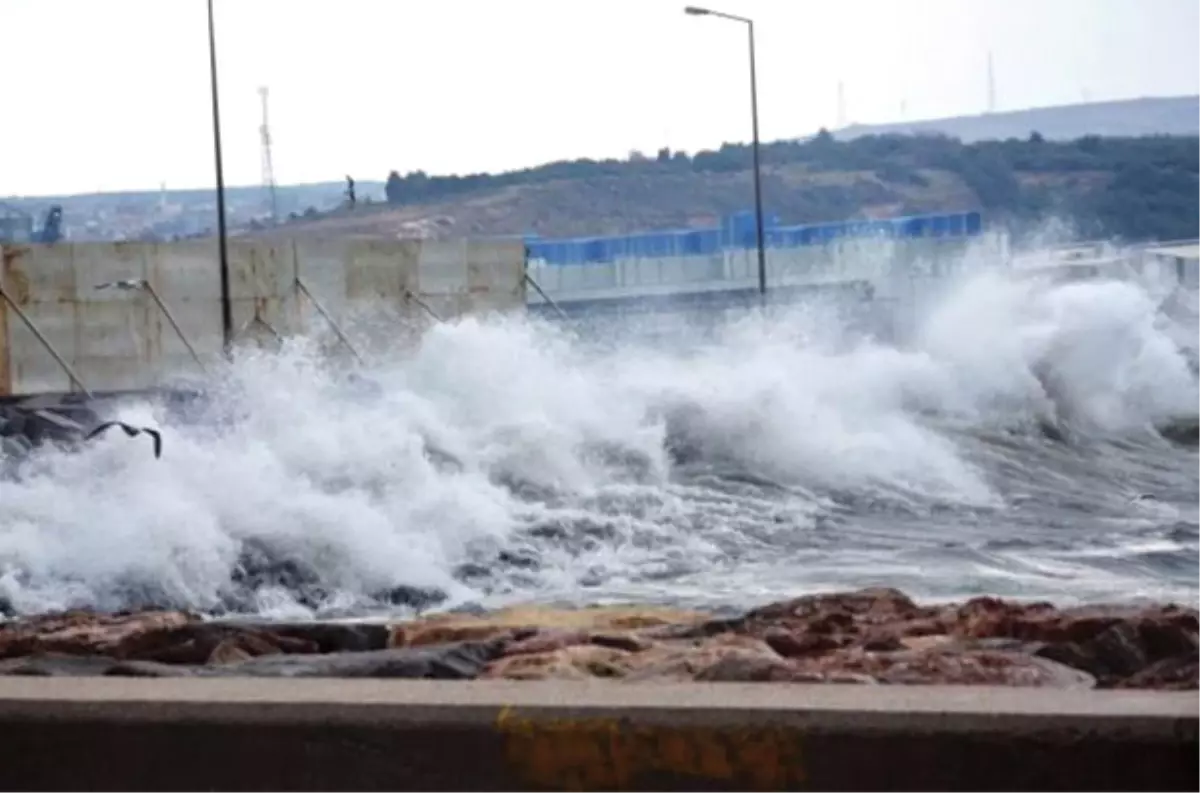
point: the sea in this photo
(1008, 443)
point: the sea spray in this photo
(506, 459)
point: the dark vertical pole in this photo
(758, 206)
(222, 242)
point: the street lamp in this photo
(222, 243)
(758, 209)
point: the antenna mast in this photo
(268, 170)
(991, 84)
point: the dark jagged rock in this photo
(1178, 673)
(460, 661)
(261, 565)
(57, 665)
(333, 637)
(1185, 432)
(416, 598)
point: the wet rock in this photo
(459, 661)
(575, 662)
(1110, 642)
(332, 637)
(941, 666)
(416, 598)
(874, 619)
(201, 643)
(746, 666)
(874, 635)
(1112, 654)
(628, 642)
(260, 565)
(879, 604)
(57, 665)
(1177, 673)
(685, 661)
(86, 633)
(546, 642)
(441, 628)
(832, 677)
(791, 644)
(148, 669)
(229, 651)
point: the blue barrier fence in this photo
(738, 232)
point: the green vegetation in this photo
(1127, 188)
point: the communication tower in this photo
(991, 84)
(268, 170)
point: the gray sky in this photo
(113, 94)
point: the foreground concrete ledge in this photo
(255, 734)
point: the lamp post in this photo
(758, 209)
(222, 242)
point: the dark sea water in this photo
(1008, 445)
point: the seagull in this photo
(131, 432)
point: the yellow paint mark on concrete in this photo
(613, 754)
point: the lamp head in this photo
(696, 12)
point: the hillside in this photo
(1177, 115)
(1092, 165)
(1131, 188)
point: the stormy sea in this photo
(1022, 438)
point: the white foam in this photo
(341, 477)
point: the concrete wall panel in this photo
(118, 338)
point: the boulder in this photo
(332, 637)
(57, 665)
(1178, 673)
(574, 662)
(522, 622)
(950, 666)
(683, 661)
(459, 661)
(86, 633)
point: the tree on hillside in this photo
(393, 188)
(1135, 188)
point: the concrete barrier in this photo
(160, 314)
(247, 734)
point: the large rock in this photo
(1178, 673)
(171, 637)
(1114, 643)
(526, 620)
(949, 665)
(460, 661)
(573, 662)
(87, 633)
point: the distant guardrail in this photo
(737, 232)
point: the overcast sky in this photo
(114, 94)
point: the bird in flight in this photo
(131, 431)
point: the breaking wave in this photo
(1009, 446)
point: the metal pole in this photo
(337, 329)
(758, 203)
(760, 236)
(174, 324)
(410, 295)
(222, 241)
(549, 301)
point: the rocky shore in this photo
(872, 636)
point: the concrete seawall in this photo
(247, 734)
